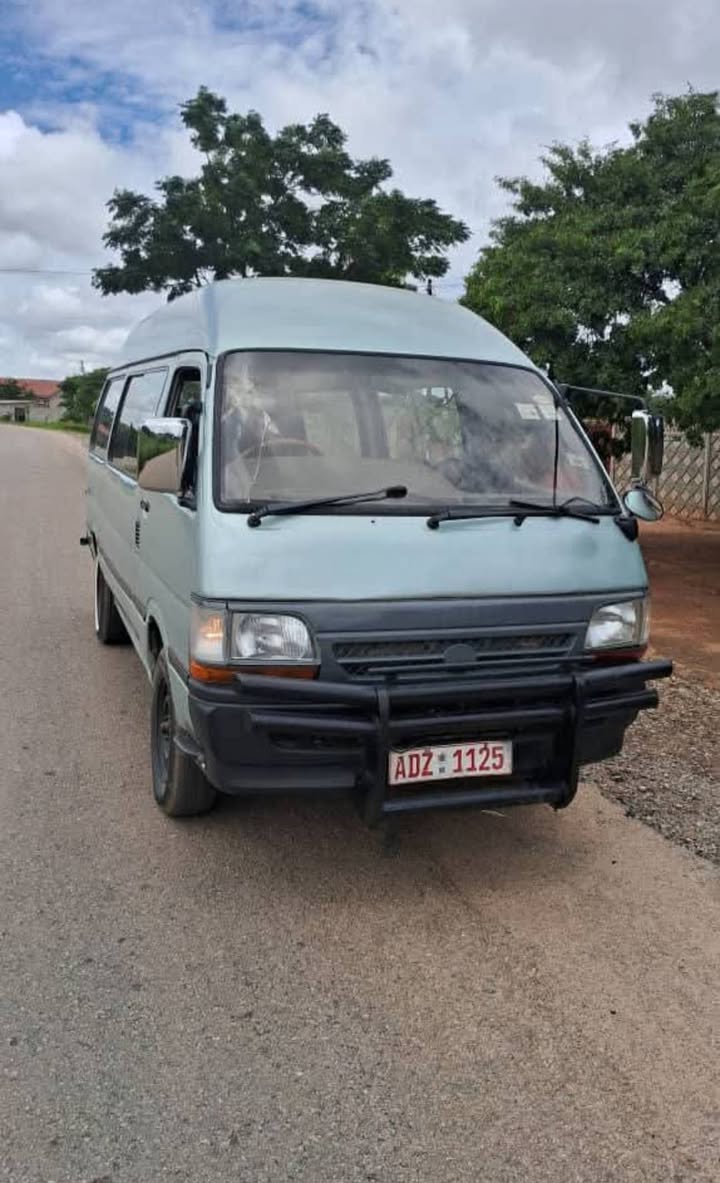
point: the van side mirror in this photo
(647, 443)
(162, 454)
(643, 504)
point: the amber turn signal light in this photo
(281, 671)
(210, 673)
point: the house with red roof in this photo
(41, 405)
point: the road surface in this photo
(263, 995)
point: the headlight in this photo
(262, 639)
(619, 626)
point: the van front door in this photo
(167, 550)
(140, 401)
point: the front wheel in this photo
(180, 788)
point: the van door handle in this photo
(145, 505)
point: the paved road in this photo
(263, 996)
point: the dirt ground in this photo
(683, 561)
(668, 774)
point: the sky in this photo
(453, 93)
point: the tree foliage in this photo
(608, 269)
(79, 394)
(10, 388)
(291, 204)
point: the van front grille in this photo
(446, 656)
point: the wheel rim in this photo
(96, 602)
(163, 732)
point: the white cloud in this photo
(50, 329)
(44, 185)
(52, 192)
(454, 95)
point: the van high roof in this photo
(316, 314)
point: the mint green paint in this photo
(357, 558)
(317, 314)
(348, 557)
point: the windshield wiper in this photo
(292, 507)
(519, 510)
(466, 515)
(572, 507)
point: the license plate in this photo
(451, 762)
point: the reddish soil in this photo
(683, 561)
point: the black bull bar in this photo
(393, 715)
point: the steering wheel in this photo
(281, 446)
(454, 468)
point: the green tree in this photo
(11, 388)
(291, 204)
(608, 269)
(79, 394)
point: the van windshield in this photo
(456, 433)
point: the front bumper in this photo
(267, 734)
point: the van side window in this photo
(105, 413)
(186, 388)
(140, 403)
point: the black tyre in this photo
(109, 628)
(179, 786)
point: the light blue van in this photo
(361, 543)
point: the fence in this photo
(689, 486)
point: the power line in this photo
(436, 283)
(40, 271)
